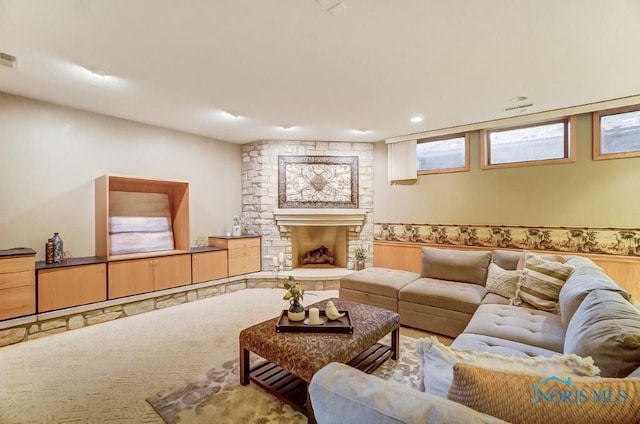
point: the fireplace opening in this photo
(319, 246)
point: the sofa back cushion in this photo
(507, 259)
(455, 265)
(586, 278)
(606, 327)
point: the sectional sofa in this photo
(468, 295)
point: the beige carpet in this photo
(103, 373)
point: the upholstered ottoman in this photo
(376, 286)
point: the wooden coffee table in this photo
(293, 358)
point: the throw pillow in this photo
(546, 256)
(437, 361)
(518, 397)
(502, 282)
(541, 282)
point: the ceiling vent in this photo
(519, 107)
(8, 60)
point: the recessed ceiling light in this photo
(232, 115)
(417, 119)
(96, 71)
(519, 99)
(361, 131)
(287, 127)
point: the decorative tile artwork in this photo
(606, 241)
(318, 182)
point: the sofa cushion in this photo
(519, 397)
(341, 394)
(506, 259)
(494, 298)
(607, 328)
(546, 256)
(437, 361)
(468, 341)
(529, 326)
(381, 281)
(502, 282)
(584, 279)
(541, 282)
(461, 297)
(455, 265)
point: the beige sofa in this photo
(595, 319)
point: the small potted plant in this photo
(294, 294)
(361, 256)
(236, 229)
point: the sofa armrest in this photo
(341, 394)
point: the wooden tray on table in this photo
(340, 325)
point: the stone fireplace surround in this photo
(260, 199)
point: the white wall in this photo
(50, 156)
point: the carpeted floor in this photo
(104, 373)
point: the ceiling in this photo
(370, 66)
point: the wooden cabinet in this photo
(177, 195)
(171, 271)
(17, 283)
(69, 286)
(127, 278)
(207, 266)
(244, 253)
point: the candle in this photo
(314, 316)
(275, 261)
(281, 258)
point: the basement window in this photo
(536, 144)
(437, 155)
(616, 133)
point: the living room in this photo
(62, 128)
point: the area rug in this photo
(217, 396)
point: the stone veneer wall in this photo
(260, 193)
(72, 321)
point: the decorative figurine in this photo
(332, 312)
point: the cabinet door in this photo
(127, 278)
(71, 286)
(17, 294)
(207, 266)
(172, 271)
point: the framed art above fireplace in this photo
(318, 182)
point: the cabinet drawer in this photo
(23, 263)
(241, 253)
(72, 286)
(17, 301)
(244, 265)
(244, 243)
(17, 279)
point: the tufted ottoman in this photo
(376, 286)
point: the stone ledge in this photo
(41, 325)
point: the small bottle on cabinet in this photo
(49, 248)
(57, 248)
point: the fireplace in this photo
(316, 242)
